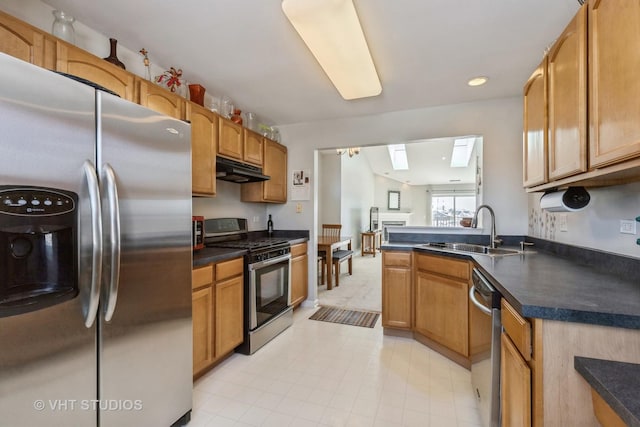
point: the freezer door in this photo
(145, 347)
(47, 356)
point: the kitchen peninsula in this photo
(573, 301)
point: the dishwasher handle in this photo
(474, 300)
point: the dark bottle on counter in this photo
(269, 226)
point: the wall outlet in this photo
(562, 222)
(627, 226)
(256, 219)
(298, 207)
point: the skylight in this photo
(461, 154)
(398, 155)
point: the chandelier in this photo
(352, 151)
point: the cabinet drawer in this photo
(444, 266)
(228, 269)
(397, 259)
(201, 276)
(518, 329)
(298, 250)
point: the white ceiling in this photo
(424, 50)
(429, 163)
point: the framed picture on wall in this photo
(394, 200)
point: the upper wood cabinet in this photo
(535, 128)
(275, 166)
(73, 60)
(593, 131)
(204, 141)
(230, 140)
(253, 147)
(614, 87)
(159, 99)
(241, 144)
(567, 100)
(25, 42)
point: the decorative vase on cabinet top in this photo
(63, 26)
(113, 57)
(196, 94)
(236, 117)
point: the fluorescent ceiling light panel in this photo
(332, 32)
(461, 153)
(398, 155)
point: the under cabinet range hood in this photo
(230, 170)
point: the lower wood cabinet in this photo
(519, 364)
(397, 302)
(441, 310)
(515, 385)
(228, 315)
(217, 312)
(427, 296)
(202, 316)
(299, 274)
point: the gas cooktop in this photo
(233, 233)
(250, 244)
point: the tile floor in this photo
(324, 374)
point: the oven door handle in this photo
(268, 262)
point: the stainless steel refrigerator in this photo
(95, 256)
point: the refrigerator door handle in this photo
(114, 237)
(96, 239)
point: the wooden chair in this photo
(331, 230)
(339, 257)
(328, 230)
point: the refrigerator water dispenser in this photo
(38, 248)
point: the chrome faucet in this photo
(474, 224)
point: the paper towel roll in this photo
(572, 199)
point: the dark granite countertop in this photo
(208, 255)
(616, 382)
(548, 286)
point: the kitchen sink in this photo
(471, 248)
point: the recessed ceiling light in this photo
(478, 81)
(444, 158)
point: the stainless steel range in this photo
(267, 277)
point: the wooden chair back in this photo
(331, 230)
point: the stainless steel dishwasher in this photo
(485, 366)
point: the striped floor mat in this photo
(365, 319)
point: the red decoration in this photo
(171, 79)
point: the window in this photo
(448, 209)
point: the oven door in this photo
(269, 291)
